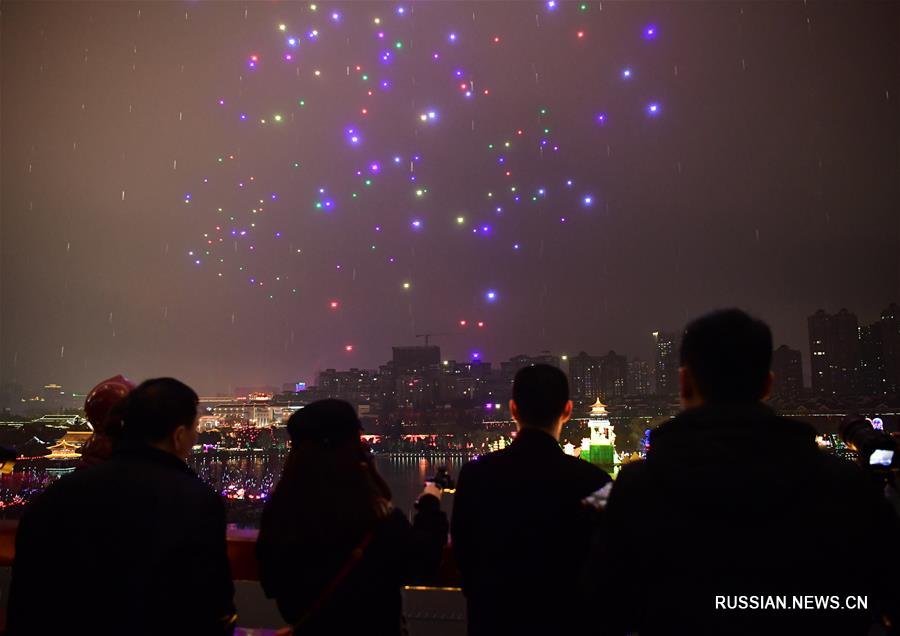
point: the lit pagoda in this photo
(600, 447)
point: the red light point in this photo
(348, 348)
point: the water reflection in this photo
(244, 481)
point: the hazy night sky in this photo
(767, 178)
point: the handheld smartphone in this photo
(881, 457)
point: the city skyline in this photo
(846, 357)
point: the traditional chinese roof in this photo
(598, 409)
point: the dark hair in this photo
(329, 491)
(729, 355)
(540, 392)
(112, 423)
(157, 407)
(329, 422)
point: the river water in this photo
(244, 480)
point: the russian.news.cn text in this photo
(791, 602)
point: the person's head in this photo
(726, 358)
(541, 398)
(162, 412)
(101, 400)
(327, 423)
(329, 488)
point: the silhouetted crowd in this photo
(734, 506)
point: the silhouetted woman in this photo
(333, 551)
(104, 408)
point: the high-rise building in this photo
(788, 369)
(585, 376)
(475, 380)
(872, 373)
(356, 386)
(666, 349)
(879, 348)
(640, 377)
(416, 358)
(834, 352)
(613, 376)
(890, 339)
(817, 325)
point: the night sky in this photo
(183, 194)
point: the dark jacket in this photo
(520, 535)
(736, 501)
(135, 545)
(367, 600)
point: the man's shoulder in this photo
(476, 467)
(196, 489)
(585, 472)
(570, 469)
(122, 473)
(80, 480)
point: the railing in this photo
(241, 555)
(241, 548)
(244, 567)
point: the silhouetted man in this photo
(736, 507)
(520, 530)
(135, 545)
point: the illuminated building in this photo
(584, 375)
(613, 376)
(355, 386)
(879, 347)
(640, 377)
(241, 391)
(208, 423)
(666, 349)
(601, 445)
(257, 413)
(69, 447)
(63, 420)
(834, 352)
(890, 341)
